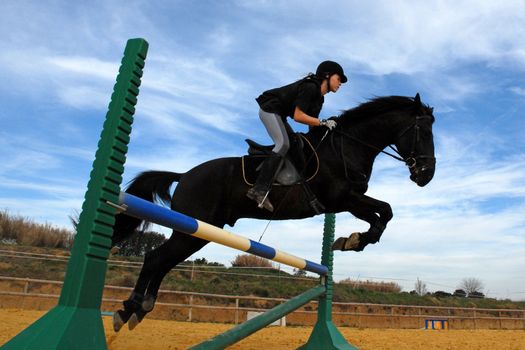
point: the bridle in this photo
(411, 161)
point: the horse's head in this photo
(415, 143)
(402, 122)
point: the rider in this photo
(301, 100)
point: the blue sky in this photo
(207, 62)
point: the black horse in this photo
(215, 191)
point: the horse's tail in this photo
(151, 186)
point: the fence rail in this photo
(496, 317)
(190, 268)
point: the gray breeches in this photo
(277, 131)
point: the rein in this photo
(398, 157)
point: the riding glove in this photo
(330, 123)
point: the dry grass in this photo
(23, 231)
(248, 260)
(385, 287)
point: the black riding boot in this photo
(259, 192)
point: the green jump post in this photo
(325, 334)
(249, 327)
(76, 323)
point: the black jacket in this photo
(304, 93)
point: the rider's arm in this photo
(303, 118)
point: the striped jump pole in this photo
(145, 210)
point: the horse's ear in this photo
(417, 100)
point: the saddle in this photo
(290, 172)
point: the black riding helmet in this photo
(327, 68)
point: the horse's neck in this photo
(365, 140)
(375, 133)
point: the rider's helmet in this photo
(327, 68)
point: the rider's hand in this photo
(330, 123)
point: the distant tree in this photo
(140, 243)
(442, 294)
(471, 285)
(476, 295)
(460, 293)
(420, 287)
(137, 245)
(200, 261)
(299, 272)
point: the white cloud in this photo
(221, 40)
(31, 155)
(518, 90)
(88, 66)
(46, 187)
(405, 37)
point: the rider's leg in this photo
(277, 130)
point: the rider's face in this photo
(335, 82)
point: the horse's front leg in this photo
(377, 213)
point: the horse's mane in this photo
(380, 105)
(374, 107)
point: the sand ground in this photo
(162, 334)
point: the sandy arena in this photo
(160, 334)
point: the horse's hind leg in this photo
(134, 302)
(157, 264)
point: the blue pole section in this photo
(145, 210)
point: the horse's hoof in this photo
(351, 243)
(133, 322)
(148, 303)
(118, 322)
(339, 243)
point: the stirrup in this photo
(265, 203)
(262, 200)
